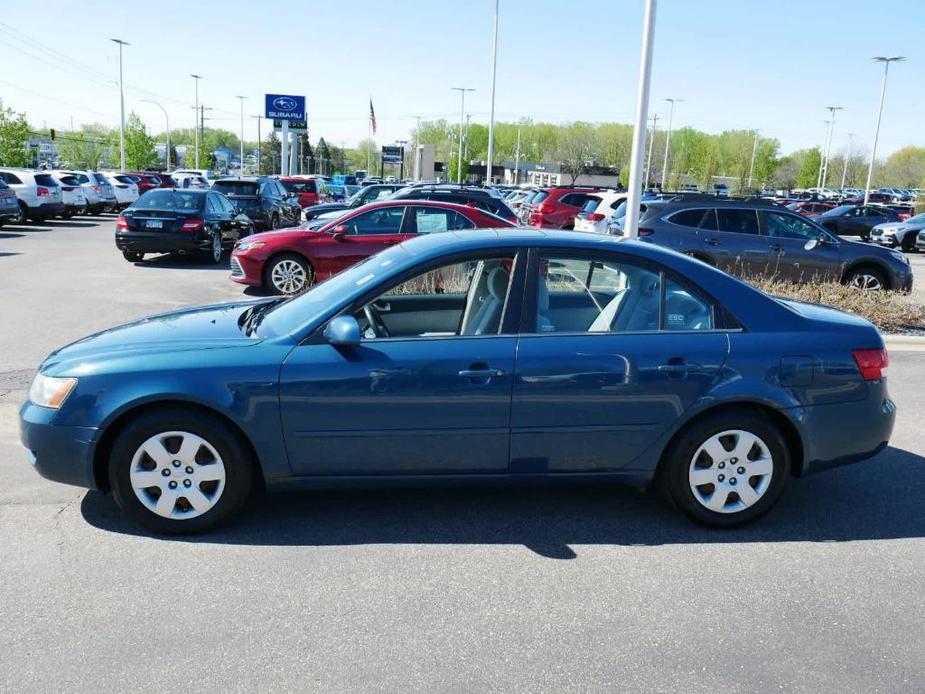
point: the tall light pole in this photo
(259, 141)
(517, 155)
(844, 172)
(462, 117)
(196, 79)
(491, 118)
(121, 107)
(167, 151)
(416, 171)
(242, 98)
(751, 167)
(873, 152)
(825, 139)
(631, 226)
(828, 144)
(668, 140)
(648, 172)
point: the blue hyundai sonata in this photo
(506, 355)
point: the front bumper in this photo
(58, 453)
(245, 270)
(160, 242)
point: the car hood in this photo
(199, 328)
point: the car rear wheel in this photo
(868, 279)
(215, 249)
(289, 274)
(23, 216)
(727, 469)
(177, 472)
(133, 256)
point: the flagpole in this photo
(369, 136)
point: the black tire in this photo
(68, 214)
(233, 451)
(677, 467)
(273, 286)
(908, 244)
(215, 250)
(23, 215)
(133, 256)
(867, 277)
(274, 222)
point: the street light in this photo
(631, 226)
(491, 119)
(121, 107)
(242, 98)
(828, 144)
(196, 121)
(873, 152)
(167, 152)
(462, 116)
(751, 167)
(844, 173)
(668, 140)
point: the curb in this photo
(905, 343)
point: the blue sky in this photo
(745, 64)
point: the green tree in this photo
(905, 168)
(577, 149)
(94, 146)
(139, 146)
(808, 173)
(14, 138)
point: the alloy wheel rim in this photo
(177, 475)
(731, 471)
(866, 282)
(288, 276)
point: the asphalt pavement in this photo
(516, 590)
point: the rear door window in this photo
(695, 219)
(737, 221)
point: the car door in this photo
(797, 250)
(612, 354)
(365, 233)
(419, 401)
(217, 217)
(736, 245)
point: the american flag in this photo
(372, 117)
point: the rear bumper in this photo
(48, 209)
(160, 242)
(58, 453)
(825, 442)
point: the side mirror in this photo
(813, 244)
(340, 231)
(343, 331)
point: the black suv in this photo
(366, 194)
(751, 238)
(855, 220)
(268, 204)
(481, 198)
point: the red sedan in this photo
(811, 209)
(288, 261)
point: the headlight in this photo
(901, 257)
(248, 245)
(50, 392)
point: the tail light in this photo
(122, 223)
(872, 363)
(903, 216)
(192, 225)
(545, 208)
(595, 217)
(98, 189)
(41, 192)
(645, 232)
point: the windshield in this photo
(170, 199)
(287, 316)
(235, 187)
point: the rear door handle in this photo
(712, 242)
(776, 249)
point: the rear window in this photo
(235, 187)
(170, 199)
(69, 180)
(45, 180)
(591, 205)
(539, 197)
(307, 186)
(124, 179)
(100, 178)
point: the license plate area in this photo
(154, 224)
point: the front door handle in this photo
(679, 368)
(485, 374)
(776, 249)
(712, 242)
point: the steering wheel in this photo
(375, 323)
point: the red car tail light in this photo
(545, 208)
(595, 217)
(122, 223)
(192, 225)
(645, 232)
(872, 363)
(98, 189)
(41, 192)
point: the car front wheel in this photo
(178, 472)
(727, 469)
(288, 274)
(866, 278)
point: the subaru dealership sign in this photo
(285, 107)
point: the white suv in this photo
(124, 188)
(72, 194)
(598, 211)
(38, 192)
(97, 188)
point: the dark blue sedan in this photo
(480, 355)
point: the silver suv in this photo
(97, 188)
(38, 193)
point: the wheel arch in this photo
(111, 431)
(788, 429)
(869, 263)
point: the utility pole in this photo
(202, 129)
(121, 107)
(259, 141)
(462, 116)
(242, 98)
(196, 79)
(517, 156)
(873, 152)
(844, 173)
(751, 167)
(417, 155)
(668, 140)
(648, 173)
(491, 119)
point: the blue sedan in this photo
(507, 355)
